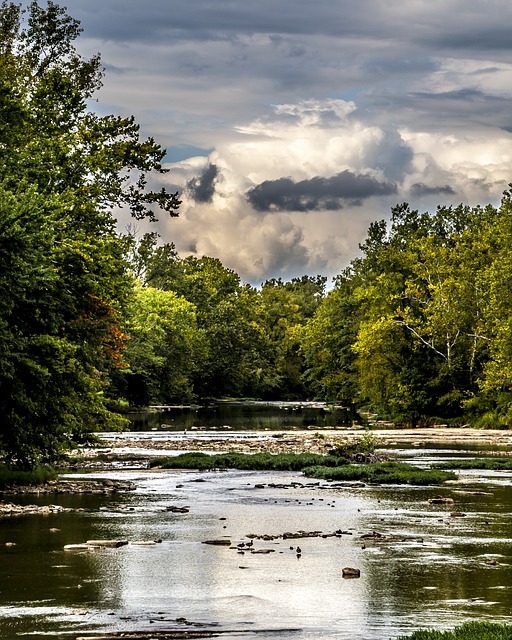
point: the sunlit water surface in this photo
(433, 569)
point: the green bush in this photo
(249, 462)
(381, 473)
(362, 445)
(10, 478)
(468, 631)
(491, 464)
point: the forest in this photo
(417, 329)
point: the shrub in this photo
(491, 464)
(39, 475)
(381, 473)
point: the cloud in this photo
(293, 125)
(317, 193)
(420, 189)
(202, 188)
(282, 195)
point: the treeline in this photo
(194, 330)
(418, 328)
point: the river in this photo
(435, 566)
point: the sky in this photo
(290, 125)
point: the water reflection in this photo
(426, 567)
(243, 415)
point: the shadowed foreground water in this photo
(433, 569)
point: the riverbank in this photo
(66, 486)
(307, 442)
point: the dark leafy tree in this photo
(289, 306)
(63, 278)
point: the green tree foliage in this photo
(153, 264)
(327, 344)
(421, 344)
(231, 316)
(418, 327)
(253, 336)
(165, 348)
(289, 306)
(47, 135)
(491, 403)
(63, 277)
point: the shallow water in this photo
(434, 570)
(255, 416)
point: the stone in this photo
(111, 544)
(77, 547)
(350, 572)
(441, 500)
(375, 535)
(221, 542)
(175, 509)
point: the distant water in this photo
(237, 416)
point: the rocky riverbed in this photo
(55, 487)
(318, 442)
(8, 509)
(242, 552)
(101, 485)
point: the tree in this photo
(289, 306)
(491, 402)
(327, 344)
(64, 278)
(230, 313)
(164, 350)
(153, 264)
(46, 132)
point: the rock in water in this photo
(113, 544)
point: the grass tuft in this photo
(247, 461)
(313, 465)
(39, 475)
(381, 473)
(490, 464)
(468, 631)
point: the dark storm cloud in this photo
(437, 110)
(492, 38)
(452, 24)
(420, 189)
(119, 19)
(377, 53)
(318, 193)
(201, 189)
